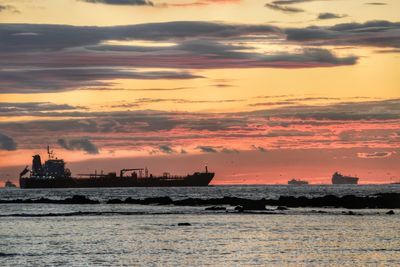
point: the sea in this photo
(155, 235)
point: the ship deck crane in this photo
(121, 174)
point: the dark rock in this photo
(380, 201)
(325, 201)
(293, 202)
(353, 202)
(388, 200)
(158, 200)
(320, 211)
(254, 205)
(281, 208)
(239, 208)
(215, 208)
(115, 201)
(188, 202)
(184, 224)
(130, 200)
(390, 212)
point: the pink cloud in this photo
(375, 155)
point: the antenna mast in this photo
(50, 153)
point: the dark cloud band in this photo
(280, 122)
(79, 144)
(329, 15)
(372, 33)
(121, 2)
(7, 143)
(77, 57)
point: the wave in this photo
(7, 255)
(84, 213)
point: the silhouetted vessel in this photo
(53, 174)
(395, 182)
(297, 182)
(9, 184)
(338, 178)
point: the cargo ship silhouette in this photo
(338, 178)
(53, 174)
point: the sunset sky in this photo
(261, 91)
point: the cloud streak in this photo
(7, 143)
(207, 149)
(38, 58)
(42, 37)
(62, 79)
(79, 144)
(376, 4)
(372, 33)
(285, 5)
(345, 124)
(8, 8)
(286, 9)
(166, 149)
(375, 155)
(329, 15)
(121, 2)
(200, 3)
(27, 108)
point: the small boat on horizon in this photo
(9, 184)
(297, 182)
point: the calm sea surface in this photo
(137, 235)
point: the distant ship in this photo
(297, 182)
(338, 178)
(395, 182)
(9, 184)
(53, 174)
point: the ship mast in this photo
(50, 153)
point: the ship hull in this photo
(297, 182)
(197, 179)
(349, 180)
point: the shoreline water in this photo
(196, 226)
(203, 240)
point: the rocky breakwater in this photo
(378, 201)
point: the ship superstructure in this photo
(53, 174)
(53, 168)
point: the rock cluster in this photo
(378, 201)
(76, 199)
(387, 200)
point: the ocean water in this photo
(244, 191)
(149, 235)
